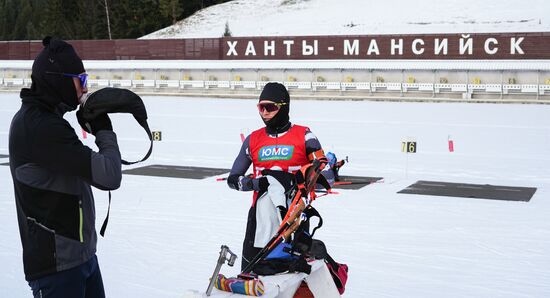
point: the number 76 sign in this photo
(408, 146)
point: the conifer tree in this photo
(227, 32)
(86, 19)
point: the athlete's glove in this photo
(263, 184)
(286, 179)
(101, 122)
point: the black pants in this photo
(83, 281)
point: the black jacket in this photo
(52, 172)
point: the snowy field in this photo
(164, 234)
(360, 17)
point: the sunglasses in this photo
(82, 77)
(270, 106)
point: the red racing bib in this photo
(287, 152)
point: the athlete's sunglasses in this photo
(82, 77)
(270, 106)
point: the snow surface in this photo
(164, 234)
(360, 17)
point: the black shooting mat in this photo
(176, 171)
(476, 191)
(4, 163)
(355, 182)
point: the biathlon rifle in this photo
(303, 195)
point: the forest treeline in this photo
(92, 19)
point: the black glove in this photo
(263, 184)
(101, 122)
(286, 179)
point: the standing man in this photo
(52, 172)
(277, 149)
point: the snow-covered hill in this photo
(350, 17)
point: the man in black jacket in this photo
(52, 172)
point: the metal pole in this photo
(434, 82)
(402, 81)
(538, 82)
(501, 84)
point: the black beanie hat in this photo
(277, 92)
(57, 57)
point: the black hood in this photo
(276, 92)
(56, 57)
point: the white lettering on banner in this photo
(275, 151)
(415, 48)
(466, 43)
(442, 45)
(373, 48)
(250, 50)
(420, 46)
(308, 50)
(514, 46)
(351, 48)
(288, 44)
(269, 46)
(232, 51)
(284, 151)
(398, 46)
(487, 46)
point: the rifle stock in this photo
(292, 219)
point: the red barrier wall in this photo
(532, 45)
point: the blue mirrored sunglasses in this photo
(82, 77)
